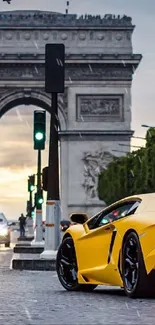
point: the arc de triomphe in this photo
(95, 110)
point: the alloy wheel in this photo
(131, 265)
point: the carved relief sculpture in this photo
(94, 163)
(100, 107)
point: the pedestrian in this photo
(64, 225)
(22, 223)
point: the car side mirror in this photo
(80, 218)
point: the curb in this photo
(34, 264)
(26, 249)
(25, 238)
(23, 244)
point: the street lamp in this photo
(147, 126)
(133, 136)
(124, 145)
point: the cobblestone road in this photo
(37, 298)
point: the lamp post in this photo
(147, 126)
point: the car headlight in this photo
(3, 231)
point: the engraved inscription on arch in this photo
(104, 108)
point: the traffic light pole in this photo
(30, 203)
(38, 239)
(52, 233)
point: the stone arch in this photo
(38, 98)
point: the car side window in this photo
(93, 221)
(115, 213)
(133, 208)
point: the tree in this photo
(129, 175)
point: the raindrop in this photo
(70, 80)
(58, 61)
(36, 45)
(97, 169)
(80, 135)
(61, 99)
(56, 127)
(56, 116)
(27, 123)
(19, 115)
(82, 119)
(133, 70)
(27, 313)
(124, 63)
(61, 208)
(149, 133)
(85, 167)
(139, 159)
(36, 69)
(90, 67)
(126, 90)
(61, 63)
(132, 173)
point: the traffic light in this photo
(54, 68)
(31, 183)
(45, 178)
(39, 198)
(28, 207)
(39, 134)
(32, 213)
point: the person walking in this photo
(22, 223)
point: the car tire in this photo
(7, 244)
(135, 279)
(66, 267)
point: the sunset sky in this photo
(18, 159)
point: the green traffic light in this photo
(31, 188)
(39, 136)
(40, 201)
(32, 214)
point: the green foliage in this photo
(131, 174)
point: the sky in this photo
(17, 157)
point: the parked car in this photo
(14, 225)
(114, 247)
(4, 230)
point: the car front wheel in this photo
(135, 279)
(66, 267)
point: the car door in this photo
(96, 246)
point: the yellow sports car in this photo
(115, 247)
